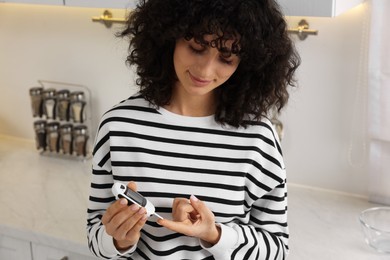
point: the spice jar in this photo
(77, 106)
(49, 103)
(40, 134)
(66, 139)
(52, 136)
(63, 102)
(80, 139)
(36, 101)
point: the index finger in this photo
(184, 227)
(132, 185)
(112, 210)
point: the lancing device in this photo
(122, 191)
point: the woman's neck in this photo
(195, 106)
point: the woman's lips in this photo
(199, 82)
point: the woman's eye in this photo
(196, 50)
(228, 62)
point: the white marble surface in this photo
(44, 199)
(325, 225)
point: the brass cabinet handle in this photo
(303, 30)
(107, 19)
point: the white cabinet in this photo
(326, 8)
(43, 2)
(121, 4)
(42, 252)
(15, 249)
(102, 3)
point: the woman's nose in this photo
(207, 66)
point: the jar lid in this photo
(66, 128)
(36, 91)
(63, 93)
(53, 126)
(51, 92)
(77, 95)
(80, 130)
(40, 124)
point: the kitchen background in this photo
(324, 123)
(325, 140)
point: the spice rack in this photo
(63, 119)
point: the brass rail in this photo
(302, 30)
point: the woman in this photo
(196, 140)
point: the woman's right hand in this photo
(123, 222)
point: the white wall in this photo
(41, 42)
(62, 44)
(325, 117)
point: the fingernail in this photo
(123, 202)
(141, 211)
(134, 207)
(144, 217)
(193, 198)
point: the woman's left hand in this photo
(198, 223)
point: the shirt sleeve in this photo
(100, 243)
(264, 234)
(264, 237)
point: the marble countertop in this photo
(44, 199)
(324, 225)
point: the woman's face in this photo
(200, 69)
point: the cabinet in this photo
(15, 249)
(80, 3)
(102, 3)
(43, 2)
(42, 252)
(322, 8)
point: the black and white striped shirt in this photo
(238, 172)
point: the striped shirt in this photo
(238, 172)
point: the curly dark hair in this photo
(268, 58)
